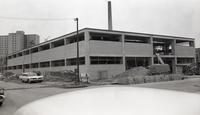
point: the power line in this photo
(36, 19)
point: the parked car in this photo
(30, 77)
(2, 96)
(117, 100)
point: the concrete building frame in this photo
(104, 53)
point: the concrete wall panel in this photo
(105, 48)
(138, 49)
(184, 51)
(112, 70)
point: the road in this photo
(23, 94)
(188, 85)
(26, 93)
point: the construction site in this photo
(105, 53)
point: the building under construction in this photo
(104, 53)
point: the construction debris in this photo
(140, 75)
(66, 76)
(136, 71)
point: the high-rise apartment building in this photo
(31, 40)
(3, 45)
(17, 41)
(14, 42)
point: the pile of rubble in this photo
(138, 75)
(65, 76)
(131, 76)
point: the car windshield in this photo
(30, 74)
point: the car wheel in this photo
(1, 103)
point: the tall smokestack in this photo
(109, 16)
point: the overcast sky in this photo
(168, 17)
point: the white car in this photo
(116, 101)
(30, 77)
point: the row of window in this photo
(101, 37)
(54, 63)
(95, 60)
(71, 62)
(105, 60)
(185, 60)
(48, 46)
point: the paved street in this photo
(188, 85)
(17, 98)
(25, 93)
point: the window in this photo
(19, 66)
(45, 64)
(137, 39)
(34, 65)
(105, 37)
(26, 52)
(72, 61)
(14, 67)
(105, 60)
(14, 56)
(19, 54)
(44, 47)
(57, 63)
(163, 46)
(9, 67)
(72, 39)
(26, 66)
(184, 43)
(34, 50)
(137, 61)
(57, 43)
(184, 60)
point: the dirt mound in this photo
(131, 76)
(65, 76)
(134, 72)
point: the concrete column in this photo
(173, 47)
(174, 63)
(65, 50)
(50, 46)
(151, 40)
(151, 62)
(87, 50)
(123, 52)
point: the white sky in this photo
(168, 17)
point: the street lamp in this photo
(30, 66)
(77, 58)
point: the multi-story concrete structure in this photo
(104, 53)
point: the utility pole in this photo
(6, 61)
(77, 58)
(31, 56)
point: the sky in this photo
(167, 17)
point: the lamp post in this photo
(77, 58)
(30, 68)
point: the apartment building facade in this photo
(17, 41)
(14, 42)
(104, 53)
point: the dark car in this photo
(2, 96)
